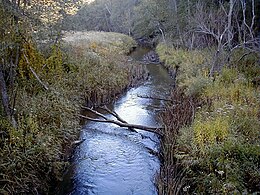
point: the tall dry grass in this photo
(92, 70)
(219, 151)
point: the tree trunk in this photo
(4, 94)
(230, 13)
(5, 99)
(175, 7)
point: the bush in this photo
(211, 130)
(220, 150)
(193, 67)
(34, 156)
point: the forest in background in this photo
(211, 142)
(172, 19)
(213, 46)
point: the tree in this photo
(211, 22)
(21, 21)
(10, 51)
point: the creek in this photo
(114, 160)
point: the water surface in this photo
(113, 160)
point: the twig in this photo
(34, 73)
(155, 98)
(38, 79)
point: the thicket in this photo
(45, 90)
(165, 20)
(215, 47)
(33, 151)
(216, 150)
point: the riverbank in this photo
(91, 68)
(116, 160)
(211, 143)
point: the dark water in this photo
(114, 160)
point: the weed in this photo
(211, 130)
(34, 156)
(220, 150)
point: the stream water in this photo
(113, 160)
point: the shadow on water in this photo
(114, 160)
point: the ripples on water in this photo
(113, 160)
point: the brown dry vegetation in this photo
(93, 70)
(211, 143)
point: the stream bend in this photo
(114, 160)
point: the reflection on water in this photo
(113, 160)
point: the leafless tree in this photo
(245, 26)
(217, 24)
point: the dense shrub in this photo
(219, 152)
(34, 155)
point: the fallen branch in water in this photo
(120, 122)
(158, 98)
(113, 113)
(154, 98)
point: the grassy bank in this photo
(212, 143)
(90, 68)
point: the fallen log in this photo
(113, 113)
(104, 117)
(120, 122)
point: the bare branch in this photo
(223, 8)
(253, 15)
(113, 113)
(95, 112)
(120, 124)
(243, 4)
(119, 121)
(251, 42)
(34, 73)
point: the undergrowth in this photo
(34, 155)
(219, 152)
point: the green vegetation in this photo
(211, 142)
(193, 66)
(90, 70)
(103, 71)
(219, 151)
